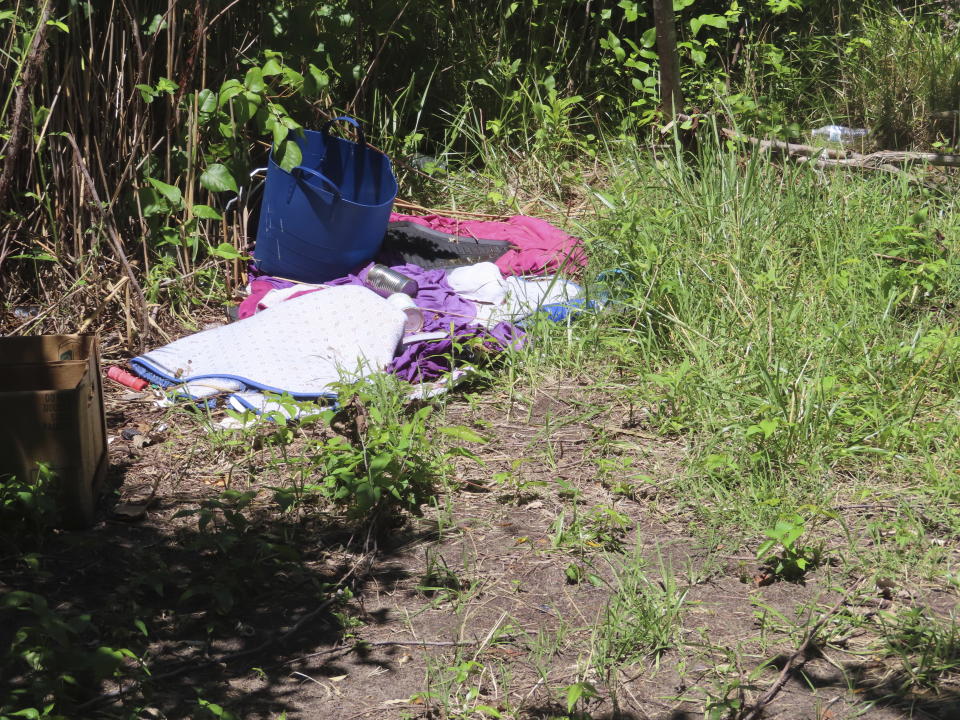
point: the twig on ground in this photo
(897, 258)
(425, 643)
(380, 643)
(888, 161)
(754, 712)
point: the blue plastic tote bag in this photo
(328, 215)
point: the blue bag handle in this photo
(348, 119)
(299, 171)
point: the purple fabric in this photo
(428, 360)
(435, 296)
(443, 310)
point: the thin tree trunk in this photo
(19, 128)
(671, 94)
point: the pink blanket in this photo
(539, 248)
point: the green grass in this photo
(798, 330)
(899, 72)
(792, 335)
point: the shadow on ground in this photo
(888, 692)
(203, 592)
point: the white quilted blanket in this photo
(299, 347)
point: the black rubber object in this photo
(409, 242)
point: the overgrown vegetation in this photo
(788, 336)
(127, 128)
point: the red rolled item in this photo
(118, 374)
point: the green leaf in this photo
(226, 251)
(487, 710)
(781, 6)
(289, 155)
(58, 25)
(230, 89)
(254, 80)
(146, 92)
(31, 713)
(35, 256)
(280, 132)
(292, 78)
(271, 67)
(217, 178)
(166, 85)
(717, 21)
(764, 548)
(381, 462)
(630, 10)
(170, 192)
(206, 212)
(315, 82)
(206, 101)
(577, 691)
(141, 626)
(461, 432)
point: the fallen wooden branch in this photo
(853, 163)
(846, 158)
(795, 660)
(907, 158)
(791, 149)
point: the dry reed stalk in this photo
(446, 212)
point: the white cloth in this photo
(300, 346)
(510, 299)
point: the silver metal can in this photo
(384, 281)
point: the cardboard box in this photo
(51, 411)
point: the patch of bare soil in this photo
(496, 602)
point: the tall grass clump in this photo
(798, 328)
(901, 77)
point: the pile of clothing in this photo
(301, 340)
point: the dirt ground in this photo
(467, 611)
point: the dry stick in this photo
(107, 216)
(450, 213)
(381, 643)
(894, 157)
(874, 161)
(791, 149)
(882, 256)
(757, 710)
(103, 304)
(188, 666)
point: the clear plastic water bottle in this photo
(840, 135)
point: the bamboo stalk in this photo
(106, 216)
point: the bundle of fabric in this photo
(536, 246)
(301, 340)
